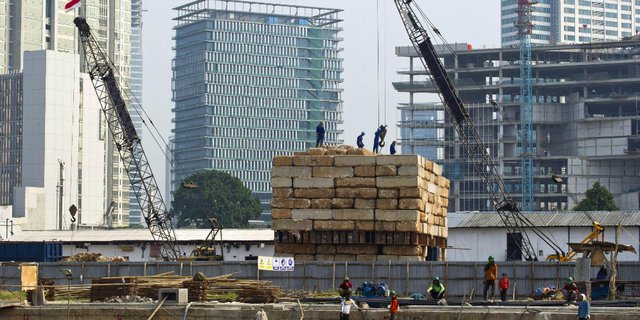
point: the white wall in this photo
(468, 244)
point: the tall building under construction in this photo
(252, 81)
(586, 120)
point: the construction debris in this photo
(342, 203)
(128, 299)
(93, 257)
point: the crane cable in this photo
(378, 58)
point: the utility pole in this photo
(60, 192)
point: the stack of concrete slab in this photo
(347, 204)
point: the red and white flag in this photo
(72, 5)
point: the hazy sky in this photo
(472, 21)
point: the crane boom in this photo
(474, 147)
(114, 106)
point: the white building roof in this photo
(141, 235)
(547, 219)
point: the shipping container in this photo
(30, 251)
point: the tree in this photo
(213, 193)
(598, 198)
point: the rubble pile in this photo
(93, 257)
(341, 203)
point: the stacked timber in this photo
(348, 204)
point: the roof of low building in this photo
(547, 219)
(139, 235)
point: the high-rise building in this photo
(45, 25)
(585, 121)
(250, 81)
(52, 143)
(135, 214)
(573, 21)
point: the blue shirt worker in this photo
(584, 309)
(376, 140)
(359, 142)
(320, 134)
(392, 148)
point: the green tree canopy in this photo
(215, 194)
(598, 198)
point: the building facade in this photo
(573, 21)
(252, 81)
(45, 25)
(586, 122)
(135, 215)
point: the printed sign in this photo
(276, 263)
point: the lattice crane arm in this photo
(114, 106)
(474, 147)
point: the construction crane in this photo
(476, 150)
(102, 73)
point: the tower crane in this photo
(476, 150)
(114, 106)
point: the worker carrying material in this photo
(392, 148)
(359, 142)
(345, 306)
(320, 134)
(490, 276)
(570, 290)
(436, 290)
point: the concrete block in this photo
(388, 193)
(386, 257)
(437, 169)
(402, 250)
(279, 161)
(398, 215)
(387, 204)
(428, 165)
(332, 172)
(411, 171)
(364, 225)
(280, 214)
(361, 193)
(406, 226)
(325, 257)
(411, 204)
(411, 193)
(313, 182)
(352, 161)
(364, 171)
(313, 161)
(364, 204)
(397, 160)
(387, 170)
(432, 188)
(345, 257)
(310, 214)
(358, 182)
(366, 257)
(282, 192)
(288, 172)
(281, 182)
(314, 193)
(357, 249)
(410, 258)
(304, 257)
(328, 225)
(359, 152)
(353, 214)
(317, 151)
(174, 295)
(342, 203)
(291, 225)
(280, 203)
(395, 182)
(334, 152)
(295, 248)
(325, 249)
(385, 226)
(320, 203)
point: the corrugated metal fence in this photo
(460, 278)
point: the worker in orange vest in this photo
(503, 285)
(393, 307)
(490, 276)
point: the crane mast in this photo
(467, 132)
(101, 71)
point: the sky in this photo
(372, 31)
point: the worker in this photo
(503, 286)
(602, 273)
(490, 276)
(392, 148)
(320, 134)
(436, 290)
(376, 139)
(345, 306)
(393, 307)
(345, 286)
(359, 142)
(570, 290)
(584, 309)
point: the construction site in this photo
(354, 233)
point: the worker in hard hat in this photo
(345, 286)
(320, 134)
(436, 289)
(392, 147)
(393, 307)
(570, 290)
(359, 141)
(490, 276)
